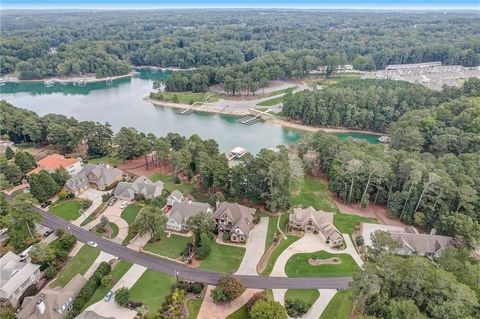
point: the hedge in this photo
(88, 289)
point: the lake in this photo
(121, 104)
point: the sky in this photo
(300, 4)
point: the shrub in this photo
(122, 296)
(59, 232)
(205, 246)
(296, 307)
(67, 241)
(50, 272)
(359, 241)
(63, 194)
(106, 197)
(226, 236)
(230, 288)
(218, 295)
(256, 297)
(268, 310)
(85, 204)
(197, 288)
(256, 220)
(106, 281)
(103, 223)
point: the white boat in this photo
(384, 139)
(2, 82)
(49, 83)
(108, 81)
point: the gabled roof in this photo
(182, 211)
(141, 185)
(13, 273)
(422, 243)
(101, 175)
(52, 162)
(175, 196)
(242, 216)
(303, 215)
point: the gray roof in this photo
(141, 185)
(323, 220)
(53, 300)
(241, 215)
(422, 243)
(182, 211)
(175, 196)
(13, 273)
(101, 175)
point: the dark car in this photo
(48, 233)
(112, 201)
(46, 204)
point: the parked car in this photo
(124, 204)
(46, 204)
(92, 244)
(108, 296)
(48, 233)
(112, 201)
(24, 255)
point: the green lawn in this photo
(130, 213)
(184, 97)
(241, 313)
(271, 102)
(298, 266)
(110, 159)
(272, 228)
(79, 265)
(224, 259)
(277, 92)
(68, 210)
(276, 253)
(313, 192)
(115, 230)
(340, 306)
(170, 247)
(193, 308)
(307, 295)
(346, 222)
(185, 188)
(151, 289)
(117, 272)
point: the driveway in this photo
(96, 197)
(113, 213)
(369, 229)
(111, 308)
(255, 248)
(310, 243)
(318, 306)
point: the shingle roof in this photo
(101, 175)
(323, 220)
(241, 215)
(422, 243)
(182, 211)
(13, 273)
(141, 185)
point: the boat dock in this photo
(255, 117)
(187, 111)
(237, 152)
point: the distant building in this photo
(16, 276)
(311, 220)
(181, 213)
(4, 144)
(56, 161)
(235, 219)
(140, 186)
(101, 177)
(174, 197)
(52, 303)
(412, 66)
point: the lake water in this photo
(121, 104)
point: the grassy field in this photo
(193, 308)
(110, 159)
(79, 265)
(185, 97)
(276, 253)
(115, 230)
(340, 306)
(298, 266)
(307, 295)
(346, 222)
(313, 192)
(68, 210)
(129, 213)
(151, 289)
(185, 188)
(117, 272)
(241, 313)
(224, 259)
(271, 102)
(170, 247)
(277, 92)
(272, 228)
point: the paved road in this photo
(170, 267)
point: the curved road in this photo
(194, 274)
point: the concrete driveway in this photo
(96, 197)
(111, 308)
(255, 248)
(113, 213)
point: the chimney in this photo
(41, 306)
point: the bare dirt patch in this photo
(328, 261)
(195, 262)
(138, 167)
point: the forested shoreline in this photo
(40, 44)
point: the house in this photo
(182, 211)
(52, 303)
(310, 220)
(16, 276)
(101, 177)
(174, 197)
(56, 161)
(421, 244)
(5, 144)
(235, 219)
(140, 186)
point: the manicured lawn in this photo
(68, 210)
(241, 313)
(224, 259)
(110, 159)
(298, 266)
(185, 97)
(79, 265)
(307, 295)
(117, 272)
(313, 192)
(130, 213)
(272, 228)
(276, 253)
(346, 222)
(151, 289)
(340, 306)
(193, 308)
(185, 188)
(271, 102)
(115, 230)
(170, 247)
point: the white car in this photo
(92, 244)
(124, 204)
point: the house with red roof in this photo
(55, 161)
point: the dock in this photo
(237, 152)
(187, 111)
(256, 116)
